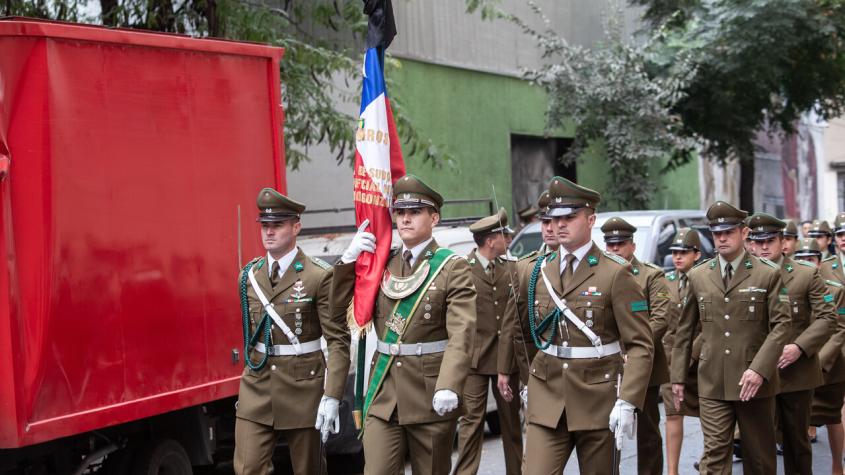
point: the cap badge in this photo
(406, 196)
(615, 231)
(720, 220)
(558, 200)
(268, 210)
(680, 241)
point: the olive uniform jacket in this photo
(832, 354)
(743, 326)
(832, 269)
(813, 314)
(604, 294)
(677, 298)
(285, 393)
(492, 293)
(651, 279)
(446, 311)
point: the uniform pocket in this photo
(591, 312)
(538, 368)
(752, 308)
(602, 374)
(297, 316)
(431, 308)
(309, 369)
(705, 352)
(705, 309)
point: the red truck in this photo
(129, 165)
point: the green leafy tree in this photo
(323, 41)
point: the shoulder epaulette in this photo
(653, 266)
(705, 261)
(615, 258)
(829, 258)
(321, 263)
(834, 283)
(507, 258)
(805, 263)
(768, 262)
(529, 255)
(252, 262)
(671, 275)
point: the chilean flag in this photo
(378, 162)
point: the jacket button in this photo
(606, 376)
(496, 302)
(727, 351)
(566, 366)
(297, 310)
(498, 332)
(497, 317)
(727, 317)
(494, 289)
(312, 372)
(273, 368)
(533, 370)
(727, 333)
(398, 364)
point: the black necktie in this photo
(568, 270)
(274, 273)
(406, 263)
(728, 275)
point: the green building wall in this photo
(473, 114)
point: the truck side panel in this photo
(130, 167)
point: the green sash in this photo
(404, 309)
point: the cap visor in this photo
(277, 218)
(617, 239)
(680, 247)
(722, 226)
(800, 253)
(762, 236)
(558, 212)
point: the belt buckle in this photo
(564, 352)
(270, 350)
(394, 349)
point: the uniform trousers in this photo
(429, 445)
(793, 413)
(471, 426)
(718, 419)
(649, 441)
(548, 450)
(254, 445)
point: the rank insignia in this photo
(297, 266)
(472, 261)
(396, 323)
(713, 264)
(592, 260)
(298, 290)
(747, 264)
(636, 271)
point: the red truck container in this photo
(129, 165)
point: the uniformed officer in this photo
(424, 319)
(287, 384)
(686, 251)
(820, 230)
(832, 266)
(527, 215)
(523, 348)
(619, 240)
(790, 237)
(493, 275)
(744, 326)
(813, 321)
(580, 306)
(827, 399)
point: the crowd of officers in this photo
(586, 342)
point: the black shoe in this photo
(695, 466)
(779, 449)
(737, 449)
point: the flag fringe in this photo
(353, 324)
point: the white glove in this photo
(363, 241)
(327, 420)
(444, 401)
(622, 421)
(523, 394)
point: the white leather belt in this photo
(289, 350)
(411, 349)
(582, 352)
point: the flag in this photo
(378, 162)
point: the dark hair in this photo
(481, 238)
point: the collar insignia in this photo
(747, 264)
(592, 260)
(297, 266)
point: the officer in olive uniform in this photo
(580, 306)
(790, 237)
(287, 384)
(813, 321)
(832, 266)
(686, 251)
(744, 325)
(619, 240)
(827, 399)
(523, 348)
(820, 230)
(416, 406)
(493, 275)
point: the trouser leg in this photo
(649, 442)
(384, 447)
(471, 426)
(254, 445)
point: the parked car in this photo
(655, 230)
